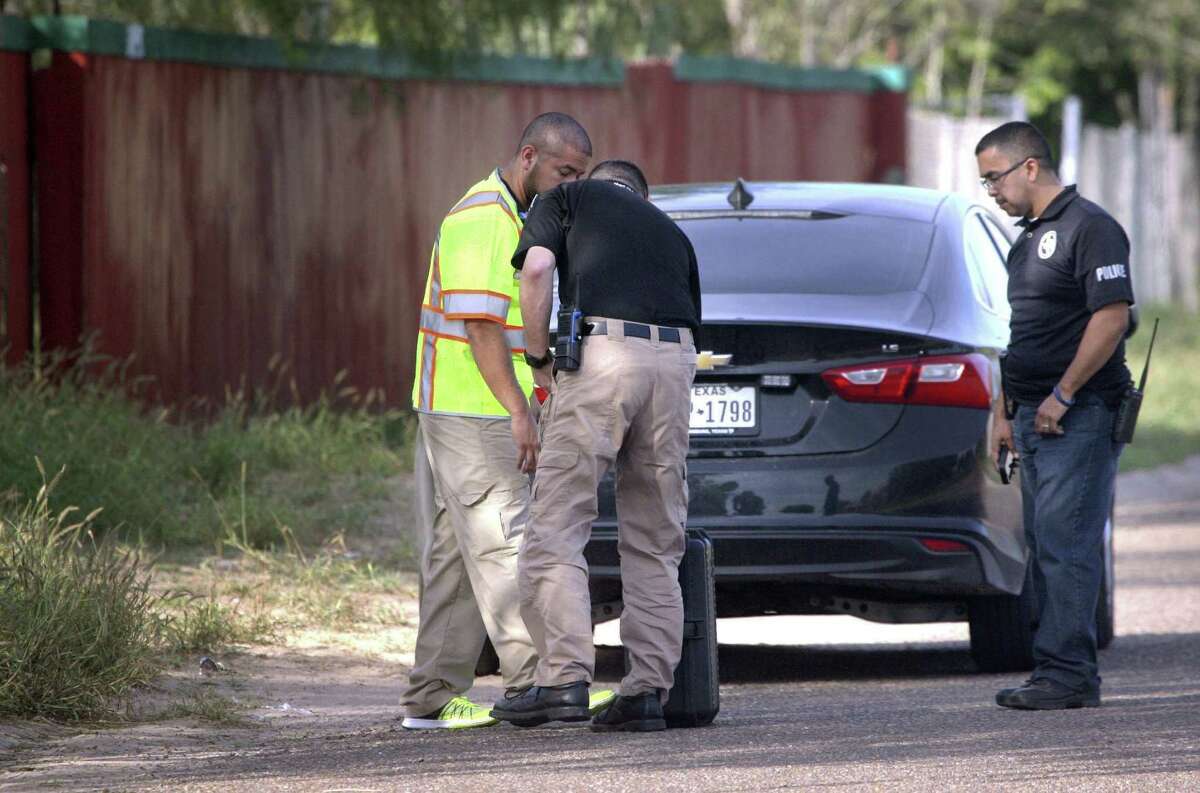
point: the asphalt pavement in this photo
(806, 703)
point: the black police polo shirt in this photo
(1067, 264)
(617, 254)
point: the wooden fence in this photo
(1149, 183)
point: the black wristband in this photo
(1063, 400)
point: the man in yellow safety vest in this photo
(471, 392)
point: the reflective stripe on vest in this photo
(484, 199)
(434, 322)
(428, 357)
(469, 304)
(435, 275)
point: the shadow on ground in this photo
(775, 664)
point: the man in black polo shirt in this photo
(633, 274)
(1069, 289)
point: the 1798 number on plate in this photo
(723, 408)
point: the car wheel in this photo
(1002, 629)
(1106, 605)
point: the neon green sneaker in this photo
(459, 713)
(599, 700)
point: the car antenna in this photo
(739, 197)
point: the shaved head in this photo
(554, 149)
(624, 172)
(1016, 168)
(554, 132)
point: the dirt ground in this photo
(324, 689)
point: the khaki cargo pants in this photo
(627, 406)
(469, 569)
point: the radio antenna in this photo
(1149, 352)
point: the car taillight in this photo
(938, 545)
(947, 380)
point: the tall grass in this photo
(78, 627)
(120, 458)
(203, 624)
(250, 469)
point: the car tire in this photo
(1106, 606)
(1002, 629)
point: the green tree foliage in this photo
(1042, 50)
(434, 29)
(1112, 53)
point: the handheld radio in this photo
(568, 342)
(1131, 403)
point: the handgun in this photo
(1006, 464)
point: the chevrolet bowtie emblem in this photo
(710, 360)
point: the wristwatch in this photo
(538, 363)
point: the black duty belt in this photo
(635, 329)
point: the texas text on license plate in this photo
(724, 409)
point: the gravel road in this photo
(806, 702)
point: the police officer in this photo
(478, 433)
(1069, 289)
(632, 272)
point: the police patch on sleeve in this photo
(1047, 244)
(1111, 271)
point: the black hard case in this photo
(695, 698)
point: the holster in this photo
(568, 342)
(1127, 416)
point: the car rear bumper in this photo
(869, 553)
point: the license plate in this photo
(723, 408)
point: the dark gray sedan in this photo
(840, 418)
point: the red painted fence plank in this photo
(59, 126)
(16, 327)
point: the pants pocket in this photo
(495, 520)
(553, 464)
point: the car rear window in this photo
(847, 255)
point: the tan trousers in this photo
(469, 570)
(628, 405)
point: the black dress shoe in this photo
(540, 704)
(1045, 694)
(639, 713)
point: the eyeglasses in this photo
(989, 181)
